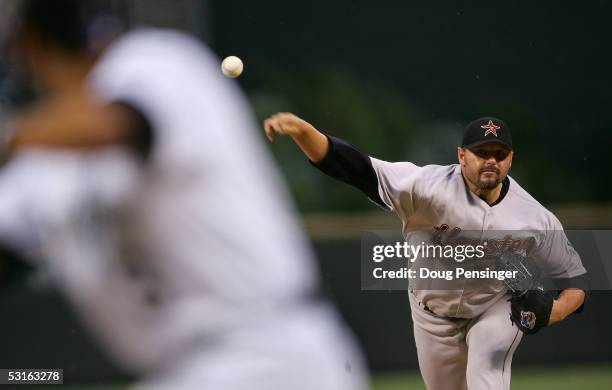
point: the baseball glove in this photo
(526, 273)
(530, 312)
(530, 303)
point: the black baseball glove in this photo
(530, 303)
(530, 311)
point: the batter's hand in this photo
(285, 123)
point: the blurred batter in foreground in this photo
(138, 180)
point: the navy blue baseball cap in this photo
(484, 130)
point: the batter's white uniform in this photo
(189, 266)
(464, 337)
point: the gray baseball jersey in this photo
(435, 196)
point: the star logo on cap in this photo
(491, 128)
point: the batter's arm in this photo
(78, 120)
(333, 156)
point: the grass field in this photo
(544, 378)
(588, 377)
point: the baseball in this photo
(232, 66)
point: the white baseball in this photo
(232, 66)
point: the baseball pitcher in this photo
(464, 337)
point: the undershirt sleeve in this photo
(580, 282)
(348, 164)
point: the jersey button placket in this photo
(485, 221)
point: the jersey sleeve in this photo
(397, 185)
(390, 185)
(557, 255)
(182, 106)
(140, 87)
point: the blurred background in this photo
(399, 80)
